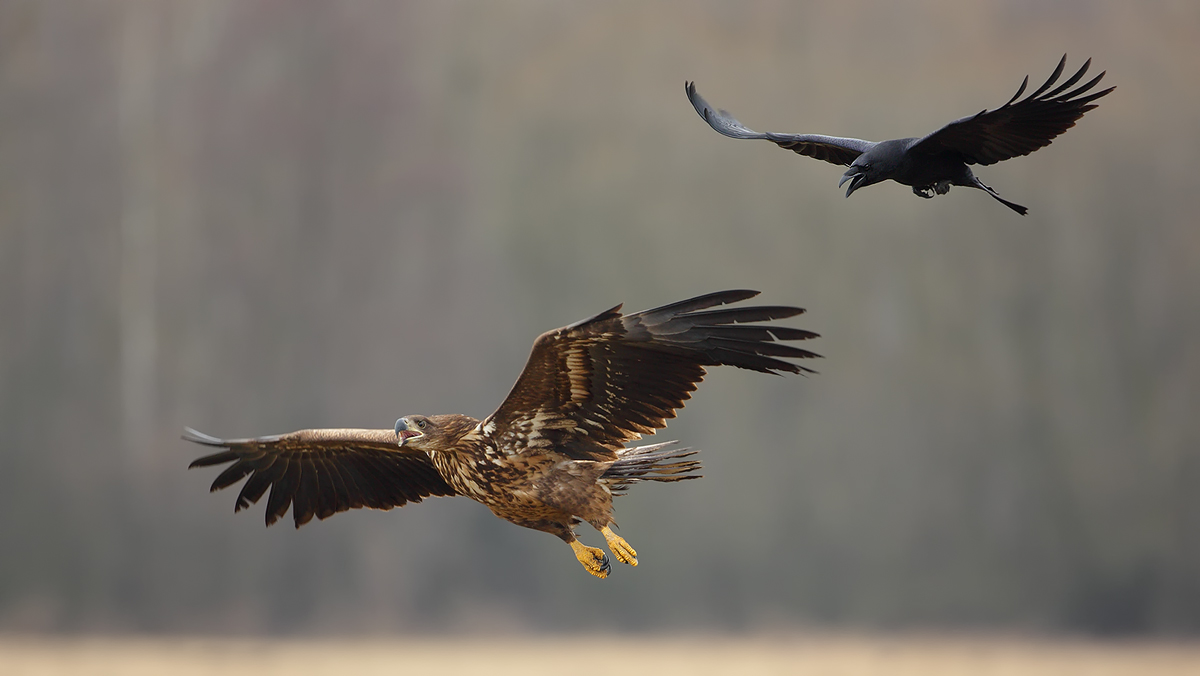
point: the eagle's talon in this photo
(593, 559)
(620, 548)
(625, 553)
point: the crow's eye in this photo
(421, 424)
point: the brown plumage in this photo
(553, 454)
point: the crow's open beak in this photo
(403, 434)
(856, 176)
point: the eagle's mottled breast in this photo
(477, 469)
(522, 487)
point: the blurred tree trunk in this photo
(139, 52)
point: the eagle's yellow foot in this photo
(620, 548)
(593, 559)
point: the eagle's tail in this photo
(655, 462)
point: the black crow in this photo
(935, 162)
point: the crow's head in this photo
(859, 174)
(877, 164)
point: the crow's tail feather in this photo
(1011, 205)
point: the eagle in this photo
(934, 162)
(554, 453)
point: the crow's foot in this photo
(942, 187)
(923, 191)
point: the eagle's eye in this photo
(421, 424)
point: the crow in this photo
(934, 162)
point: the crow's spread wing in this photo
(832, 149)
(1018, 127)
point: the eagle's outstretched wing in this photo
(592, 386)
(833, 149)
(1018, 127)
(322, 472)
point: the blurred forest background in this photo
(257, 216)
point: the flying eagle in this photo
(936, 161)
(553, 454)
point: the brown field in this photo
(824, 655)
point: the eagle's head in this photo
(430, 433)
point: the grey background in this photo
(253, 217)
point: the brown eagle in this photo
(554, 453)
